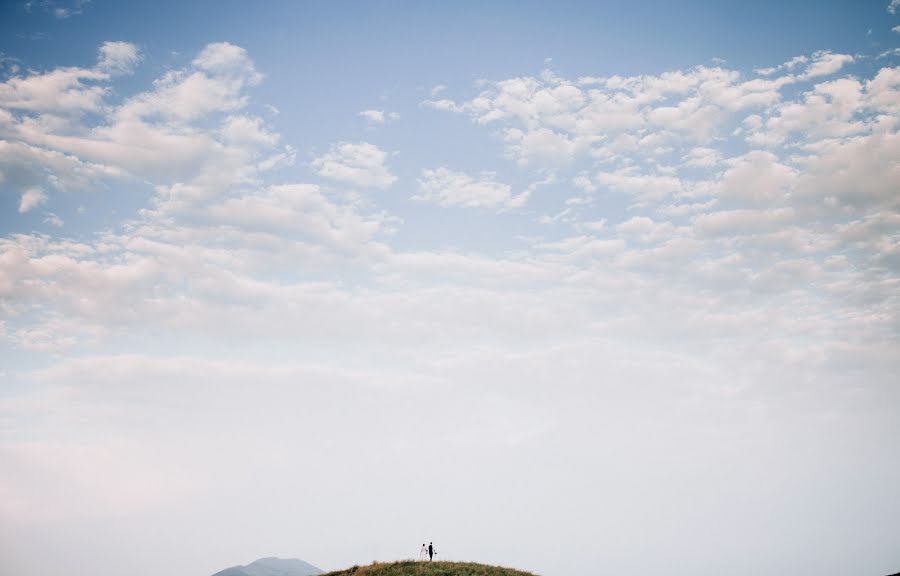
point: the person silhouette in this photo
(430, 552)
(423, 552)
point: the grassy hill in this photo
(411, 568)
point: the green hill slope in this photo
(411, 568)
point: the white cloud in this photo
(151, 135)
(585, 247)
(443, 104)
(690, 116)
(118, 57)
(825, 63)
(583, 182)
(701, 157)
(732, 223)
(642, 186)
(357, 163)
(223, 59)
(541, 147)
(62, 91)
(31, 198)
(757, 178)
(896, 29)
(789, 65)
(826, 111)
(445, 187)
(859, 173)
(25, 166)
(892, 7)
(215, 83)
(302, 209)
(53, 220)
(883, 92)
(645, 229)
(595, 226)
(551, 121)
(373, 116)
(186, 96)
(247, 130)
(819, 63)
(64, 12)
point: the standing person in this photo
(423, 552)
(430, 552)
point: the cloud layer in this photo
(688, 314)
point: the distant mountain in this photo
(272, 567)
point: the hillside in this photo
(411, 568)
(272, 567)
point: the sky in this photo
(573, 287)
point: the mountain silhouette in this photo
(272, 567)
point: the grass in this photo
(413, 568)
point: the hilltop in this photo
(413, 568)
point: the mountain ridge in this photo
(272, 566)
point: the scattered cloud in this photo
(789, 65)
(729, 223)
(223, 59)
(645, 230)
(820, 63)
(118, 57)
(63, 12)
(443, 104)
(53, 220)
(357, 163)
(446, 187)
(31, 198)
(151, 135)
(298, 209)
(701, 157)
(757, 178)
(373, 116)
(63, 91)
(638, 184)
(551, 121)
(825, 63)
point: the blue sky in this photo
(572, 287)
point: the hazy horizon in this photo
(576, 288)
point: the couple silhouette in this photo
(427, 551)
